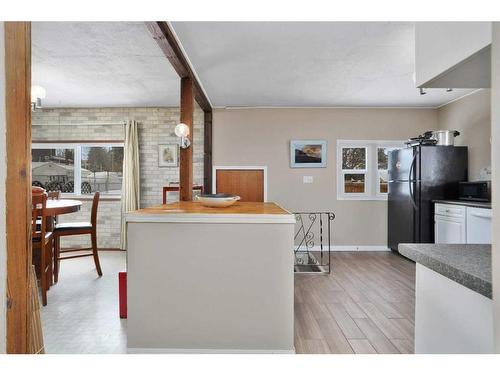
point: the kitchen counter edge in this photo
(449, 260)
(464, 203)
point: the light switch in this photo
(307, 179)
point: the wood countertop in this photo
(250, 212)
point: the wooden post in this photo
(18, 191)
(207, 155)
(186, 154)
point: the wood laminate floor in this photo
(366, 305)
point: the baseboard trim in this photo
(348, 248)
(206, 351)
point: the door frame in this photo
(18, 188)
(241, 167)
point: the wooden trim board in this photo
(18, 190)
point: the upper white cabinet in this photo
(453, 54)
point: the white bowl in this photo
(217, 200)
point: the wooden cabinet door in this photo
(247, 183)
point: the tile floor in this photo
(81, 315)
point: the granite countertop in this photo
(466, 264)
(464, 203)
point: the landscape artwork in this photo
(167, 155)
(308, 153)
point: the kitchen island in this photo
(453, 307)
(210, 280)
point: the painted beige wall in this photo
(471, 116)
(495, 130)
(262, 136)
(3, 168)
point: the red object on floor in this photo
(122, 292)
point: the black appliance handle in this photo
(410, 181)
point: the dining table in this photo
(56, 207)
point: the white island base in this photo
(202, 281)
(450, 318)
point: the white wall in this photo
(3, 168)
(495, 132)
(471, 116)
(262, 136)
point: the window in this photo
(362, 169)
(78, 168)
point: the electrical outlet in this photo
(307, 179)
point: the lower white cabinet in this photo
(478, 225)
(449, 224)
(457, 224)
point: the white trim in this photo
(77, 162)
(207, 351)
(235, 108)
(167, 217)
(459, 98)
(348, 248)
(371, 170)
(246, 167)
(79, 124)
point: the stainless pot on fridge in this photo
(443, 137)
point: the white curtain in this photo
(131, 180)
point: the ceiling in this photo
(306, 63)
(99, 64)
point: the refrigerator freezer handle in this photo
(410, 181)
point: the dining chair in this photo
(76, 229)
(42, 241)
(54, 195)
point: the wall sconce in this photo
(182, 131)
(37, 94)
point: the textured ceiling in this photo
(88, 64)
(306, 64)
(98, 64)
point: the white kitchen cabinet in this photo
(449, 224)
(453, 54)
(456, 224)
(478, 225)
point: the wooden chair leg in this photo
(57, 253)
(43, 274)
(95, 253)
(50, 273)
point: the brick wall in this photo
(156, 126)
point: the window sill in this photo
(102, 198)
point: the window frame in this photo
(371, 171)
(77, 152)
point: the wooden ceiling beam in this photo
(165, 37)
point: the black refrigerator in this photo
(417, 176)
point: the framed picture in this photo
(168, 155)
(308, 154)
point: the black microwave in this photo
(475, 191)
